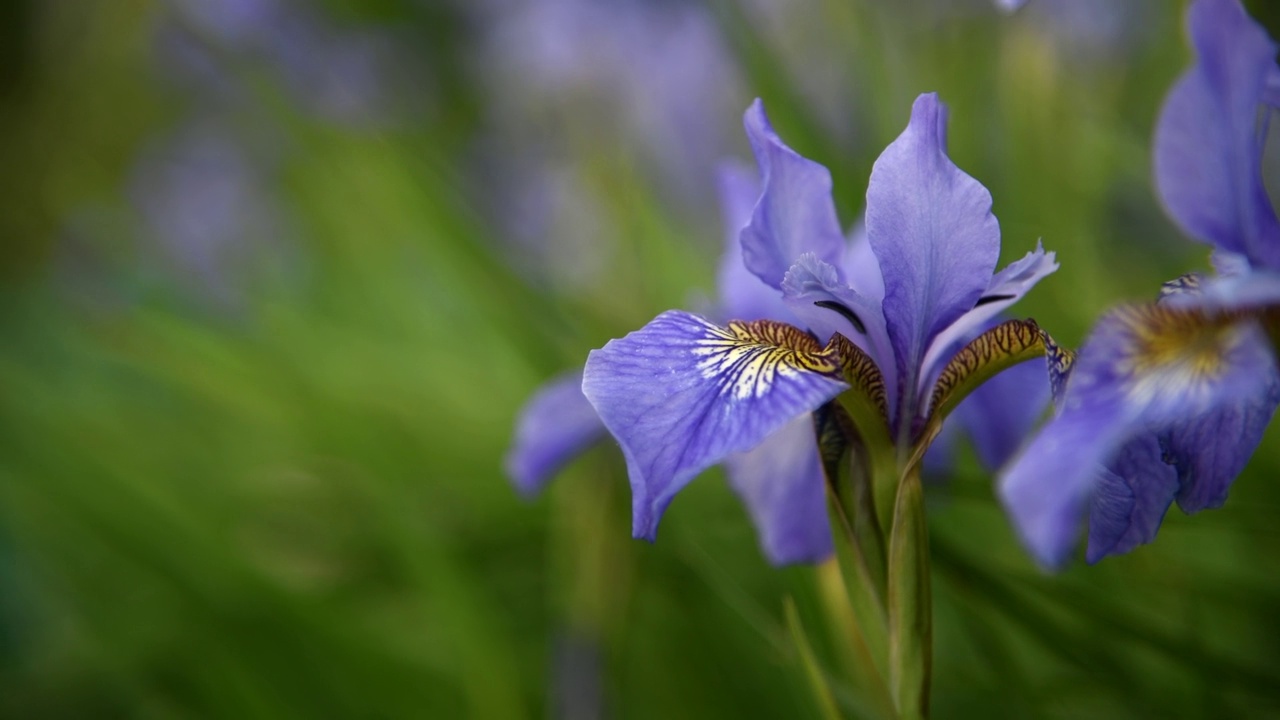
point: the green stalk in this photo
(822, 698)
(858, 538)
(910, 611)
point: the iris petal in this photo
(742, 294)
(1130, 499)
(1047, 488)
(1207, 150)
(932, 230)
(555, 425)
(1210, 450)
(795, 213)
(782, 484)
(681, 394)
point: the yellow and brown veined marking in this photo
(1007, 344)
(1179, 348)
(753, 353)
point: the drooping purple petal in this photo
(782, 485)
(1130, 499)
(932, 230)
(1047, 488)
(1210, 450)
(555, 426)
(742, 294)
(1207, 146)
(1006, 288)
(999, 416)
(681, 394)
(795, 213)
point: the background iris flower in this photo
(1168, 401)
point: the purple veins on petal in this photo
(555, 426)
(782, 484)
(795, 214)
(681, 394)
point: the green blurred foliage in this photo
(291, 504)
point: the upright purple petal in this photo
(555, 426)
(1207, 146)
(795, 214)
(782, 484)
(932, 230)
(1210, 450)
(681, 394)
(742, 294)
(1130, 500)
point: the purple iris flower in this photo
(684, 392)
(1166, 402)
(780, 481)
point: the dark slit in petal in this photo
(993, 298)
(848, 314)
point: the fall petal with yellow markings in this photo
(682, 393)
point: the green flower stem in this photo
(910, 611)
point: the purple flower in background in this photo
(684, 393)
(346, 75)
(1167, 402)
(654, 83)
(207, 205)
(656, 78)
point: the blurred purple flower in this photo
(207, 205)
(656, 77)
(639, 90)
(348, 75)
(1167, 401)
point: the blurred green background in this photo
(277, 277)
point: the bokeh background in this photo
(278, 275)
